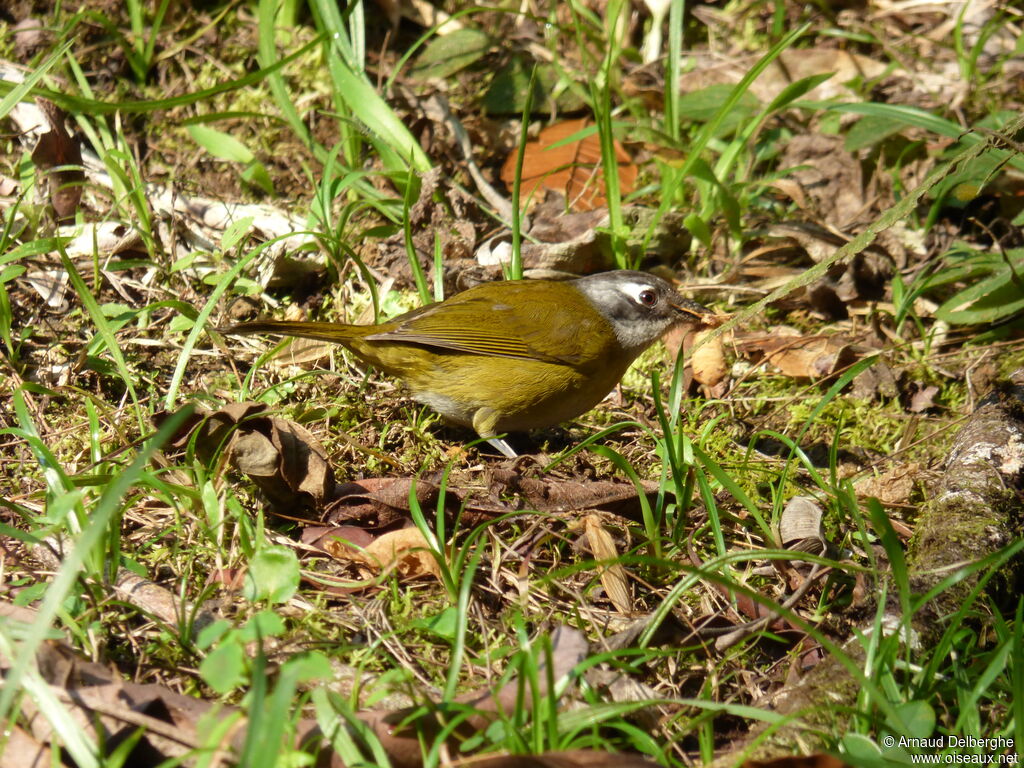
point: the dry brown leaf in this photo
(379, 502)
(255, 455)
(923, 398)
(31, 36)
(619, 686)
(792, 65)
(708, 360)
(813, 358)
(574, 241)
(579, 242)
(398, 729)
(281, 457)
(339, 541)
(102, 239)
(8, 186)
(284, 460)
(303, 353)
(405, 550)
(831, 178)
(58, 153)
(150, 597)
(510, 491)
(679, 341)
(613, 577)
(877, 381)
(768, 275)
(382, 502)
(51, 285)
(573, 169)
(792, 190)
(800, 527)
(808, 357)
(893, 487)
(22, 750)
(111, 709)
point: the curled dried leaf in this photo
(283, 458)
(613, 576)
(58, 153)
(405, 550)
(800, 527)
(802, 357)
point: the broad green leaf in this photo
(211, 633)
(307, 667)
(256, 174)
(443, 624)
(262, 625)
(235, 231)
(871, 129)
(508, 91)
(447, 54)
(916, 719)
(19, 92)
(224, 668)
(273, 575)
(11, 272)
(701, 106)
(220, 144)
(985, 302)
(698, 228)
(375, 113)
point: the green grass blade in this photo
(79, 105)
(105, 511)
(18, 92)
(106, 333)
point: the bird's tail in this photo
(338, 333)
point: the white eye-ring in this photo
(648, 297)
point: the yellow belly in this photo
(522, 394)
(508, 394)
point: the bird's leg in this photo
(502, 446)
(484, 421)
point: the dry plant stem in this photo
(95, 700)
(147, 596)
(729, 636)
(436, 108)
(971, 517)
(725, 642)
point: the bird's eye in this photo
(648, 297)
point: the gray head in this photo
(641, 307)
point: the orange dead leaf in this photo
(708, 360)
(572, 169)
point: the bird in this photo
(513, 355)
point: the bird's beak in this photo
(697, 312)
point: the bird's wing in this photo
(509, 319)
